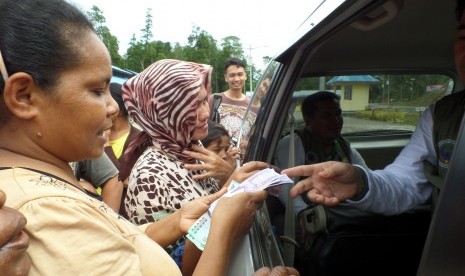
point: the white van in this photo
(388, 61)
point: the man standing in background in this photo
(234, 103)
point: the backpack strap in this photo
(215, 115)
(343, 148)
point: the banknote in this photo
(264, 179)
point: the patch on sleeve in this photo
(446, 147)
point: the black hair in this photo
(233, 61)
(309, 104)
(41, 38)
(215, 132)
(459, 9)
(115, 91)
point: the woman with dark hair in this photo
(55, 106)
(120, 136)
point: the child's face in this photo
(220, 147)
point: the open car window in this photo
(376, 103)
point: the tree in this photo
(178, 52)
(111, 42)
(201, 47)
(147, 30)
(134, 55)
(142, 53)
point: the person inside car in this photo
(407, 182)
(54, 109)
(317, 141)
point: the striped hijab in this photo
(162, 99)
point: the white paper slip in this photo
(198, 232)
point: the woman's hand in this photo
(231, 219)
(192, 210)
(233, 216)
(245, 171)
(214, 165)
(277, 271)
(233, 154)
(166, 230)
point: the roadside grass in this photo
(394, 115)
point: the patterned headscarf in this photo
(162, 99)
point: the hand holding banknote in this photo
(237, 197)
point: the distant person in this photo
(261, 92)
(234, 102)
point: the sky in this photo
(263, 26)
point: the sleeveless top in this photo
(447, 119)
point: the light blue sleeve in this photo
(402, 185)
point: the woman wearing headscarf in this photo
(168, 100)
(55, 106)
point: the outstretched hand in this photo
(328, 183)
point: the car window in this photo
(377, 102)
(371, 103)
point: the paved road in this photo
(352, 124)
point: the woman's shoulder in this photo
(25, 186)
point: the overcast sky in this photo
(262, 25)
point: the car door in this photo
(359, 38)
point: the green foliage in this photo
(112, 43)
(405, 89)
(147, 30)
(201, 48)
(391, 116)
